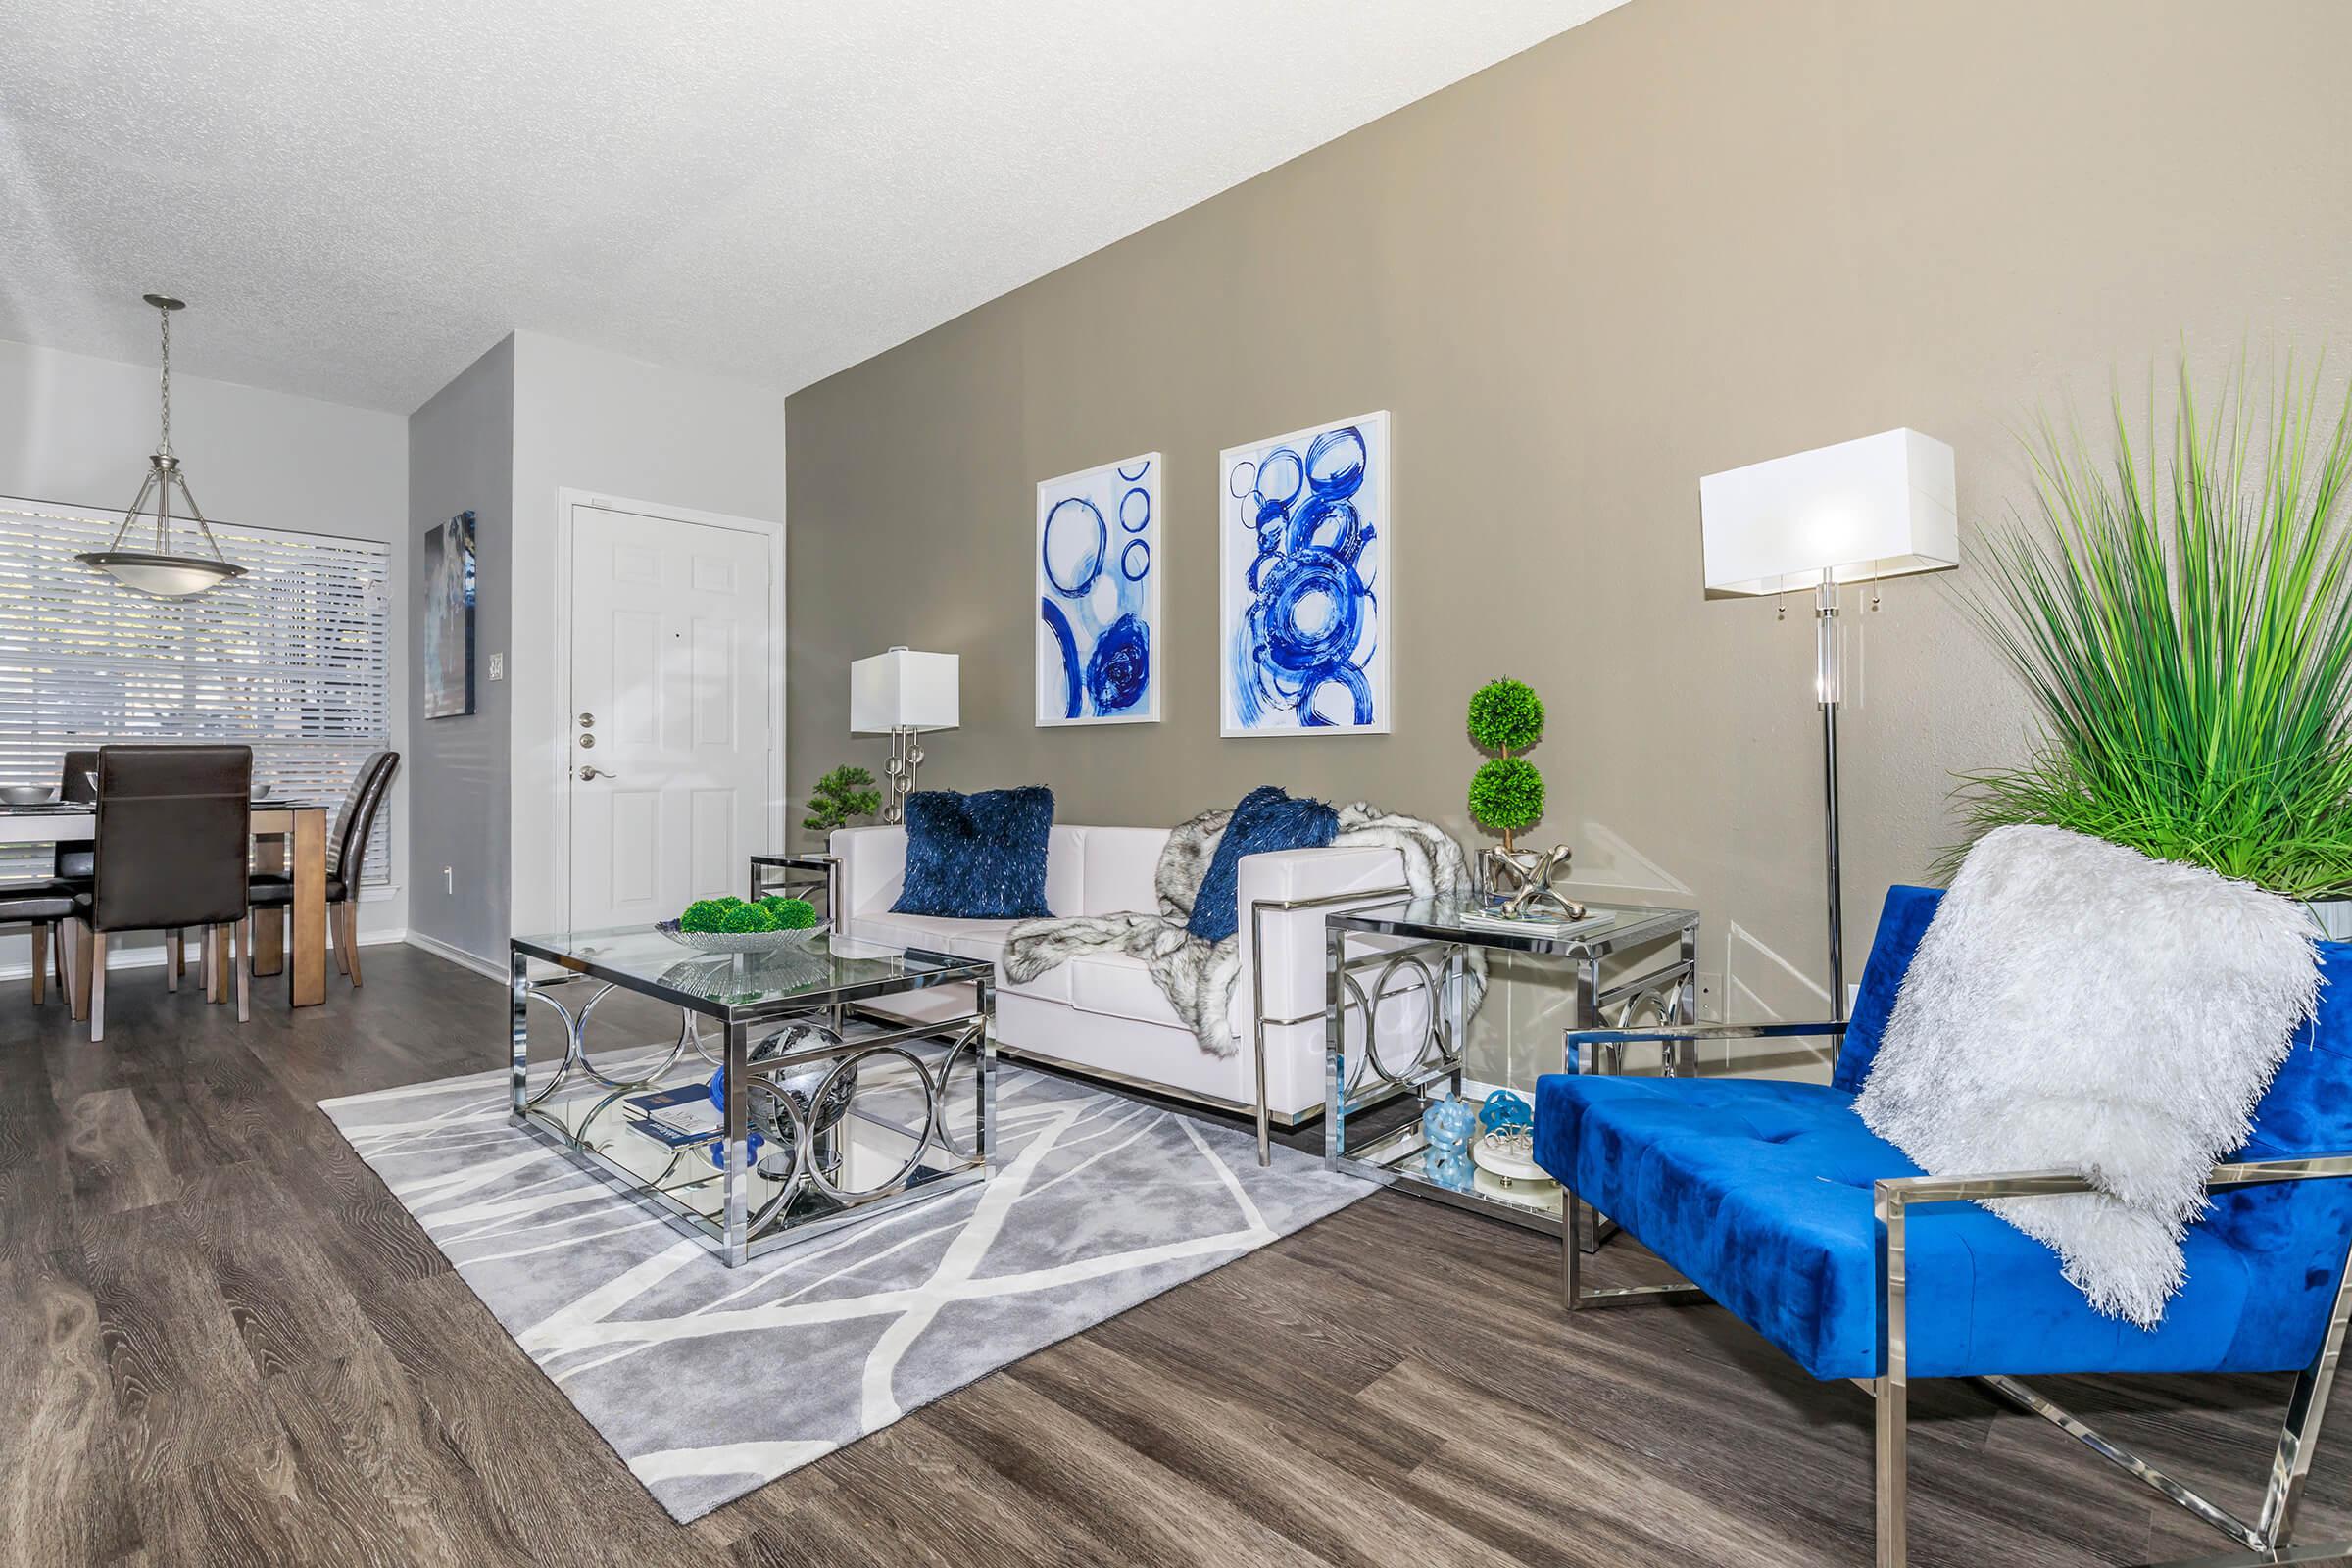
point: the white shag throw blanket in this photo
(1196, 975)
(2077, 1005)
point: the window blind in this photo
(291, 658)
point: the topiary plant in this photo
(1506, 793)
(844, 793)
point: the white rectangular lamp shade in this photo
(1880, 507)
(903, 690)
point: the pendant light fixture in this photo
(163, 571)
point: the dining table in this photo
(288, 836)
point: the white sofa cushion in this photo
(1119, 987)
(963, 939)
(1121, 870)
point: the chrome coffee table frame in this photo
(933, 1052)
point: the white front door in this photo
(668, 732)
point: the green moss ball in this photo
(1506, 794)
(702, 915)
(747, 918)
(790, 914)
(1506, 715)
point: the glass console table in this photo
(814, 1129)
(1441, 937)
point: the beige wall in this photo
(1682, 237)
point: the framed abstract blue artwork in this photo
(1306, 606)
(1097, 595)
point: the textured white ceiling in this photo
(358, 198)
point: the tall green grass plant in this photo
(2187, 646)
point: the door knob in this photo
(587, 722)
(589, 770)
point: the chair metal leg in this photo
(351, 941)
(175, 958)
(2268, 1536)
(40, 962)
(97, 986)
(240, 935)
(2306, 1412)
(1891, 1460)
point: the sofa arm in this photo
(872, 866)
(1284, 897)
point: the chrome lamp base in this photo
(898, 774)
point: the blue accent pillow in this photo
(1266, 821)
(977, 856)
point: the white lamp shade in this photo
(903, 690)
(1881, 507)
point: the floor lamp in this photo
(1881, 507)
(901, 694)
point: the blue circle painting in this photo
(1097, 594)
(1308, 632)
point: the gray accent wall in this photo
(462, 458)
(1682, 237)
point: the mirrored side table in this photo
(1442, 932)
(794, 876)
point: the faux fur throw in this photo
(2077, 1005)
(1198, 976)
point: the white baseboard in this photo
(480, 965)
(144, 957)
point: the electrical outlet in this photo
(1710, 998)
(449, 880)
(498, 667)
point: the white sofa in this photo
(1101, 1014)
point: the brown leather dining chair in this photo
(45, 906)
(170, 851)
(272, 891)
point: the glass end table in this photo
(1439, 933)
(811, 1128)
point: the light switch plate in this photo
(498, 667)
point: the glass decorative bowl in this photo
(743, 941)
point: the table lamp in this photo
(901, 694)
(1881, 507)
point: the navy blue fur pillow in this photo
(977, 856)
(1266, 819)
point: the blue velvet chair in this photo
(1772, 1199)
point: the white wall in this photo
(78, 430)
(591, 420)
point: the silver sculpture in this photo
(1518, 884)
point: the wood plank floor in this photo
(222, 1342)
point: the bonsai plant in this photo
(1506, 793)
(839, 797)
(2187, 649)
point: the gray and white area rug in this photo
(709, 1382)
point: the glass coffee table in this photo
(797, 1114)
